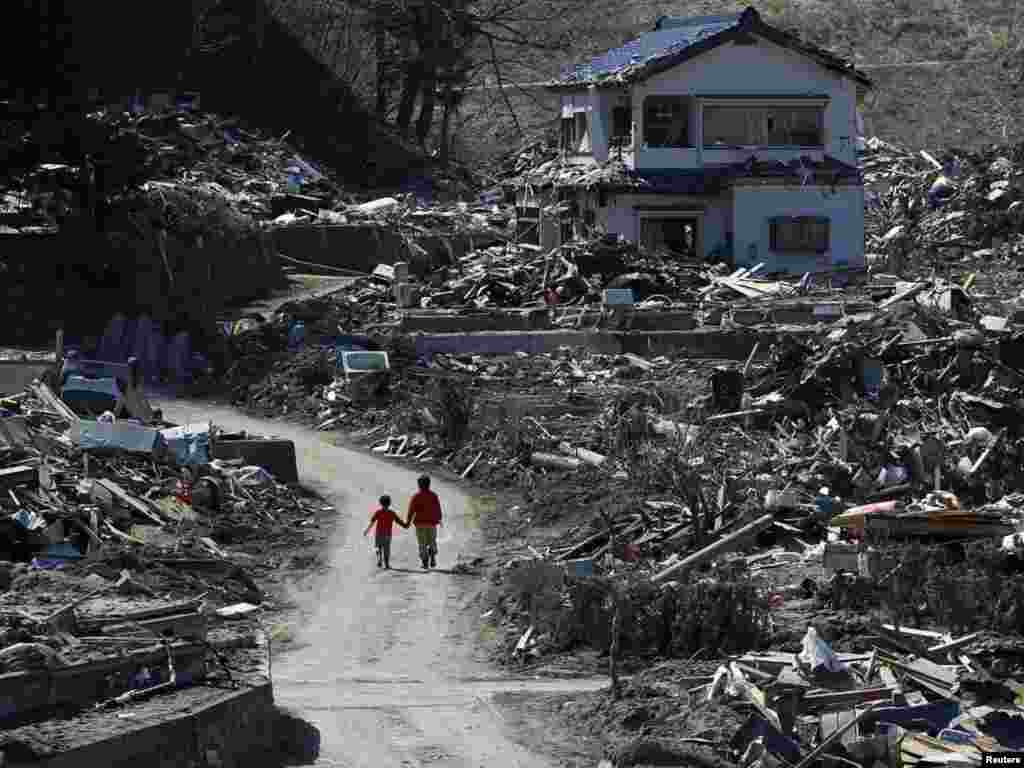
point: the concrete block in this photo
(663, 321)
(275, 456)
(15, 375)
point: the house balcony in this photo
(698, 157)
(728, 155)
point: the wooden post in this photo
(613, 650)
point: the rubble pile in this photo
(519, 275)
(194, 168)
(565, 611)
(913, 697)
(948, 211)
(122, 540)
(411, 216)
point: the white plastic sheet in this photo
(817, 654)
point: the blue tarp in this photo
(757, 727)
(937, 714)
(122, 434)
(97, 394)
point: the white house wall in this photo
(753, 207)
(576, 101)
(750, 70)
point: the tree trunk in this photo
(383, 75)
(428, 98)
(613, 652)
(446, 125)
(410, 89)
(696, 502)
(613, 647)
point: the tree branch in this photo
(497, 74)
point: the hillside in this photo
(237, 55)
(960, 102)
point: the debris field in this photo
(810, 552)
(134, 564)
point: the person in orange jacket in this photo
(425, 514)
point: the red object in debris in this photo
(183, 492)
(551, 297)
(776, 600)
(630, 553)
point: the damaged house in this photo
(713, 137)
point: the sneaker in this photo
(433, 561)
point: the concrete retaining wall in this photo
(216, 729)
(704, 343)
(34, 695)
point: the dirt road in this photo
(384, 665)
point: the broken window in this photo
(622, 128)
(738, 125)
(568, 134)
(800, 234)
(582, 133)
(666, 121)
(575, 134)
(675, 235)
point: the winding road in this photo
(384, 664)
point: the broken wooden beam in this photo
(54, 403)
(847, 698)
(12, 477)
(592, 458)
(183, 625)
(553, 461)
(719, 547)
(954, 645)
(130, 501)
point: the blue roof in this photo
(669, 36)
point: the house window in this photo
(568, 134)
(582, 133)
(738, 125)
(666, 121)
(800, 234)
(575, 134)
(621, 126)
(675, 234)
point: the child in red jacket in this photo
(384, 517)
